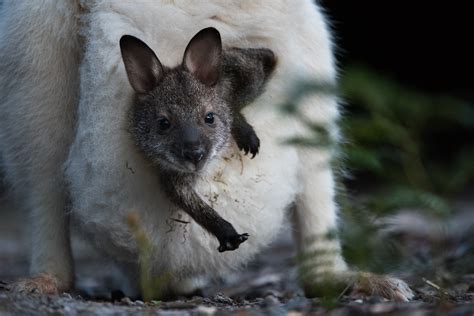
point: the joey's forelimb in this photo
(180, 189)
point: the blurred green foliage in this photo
(153, 288)
(416, 151)
(401, 150)
(396, 136)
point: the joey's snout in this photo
(195, 156)
(194, 148)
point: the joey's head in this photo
(178, 119)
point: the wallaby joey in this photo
(183, 116)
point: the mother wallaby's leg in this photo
(39, 58)
(316, 211)
(322, 267)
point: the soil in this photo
(268, 286)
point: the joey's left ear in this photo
(203, 56)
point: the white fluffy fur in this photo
(39, 71)
(39, 55)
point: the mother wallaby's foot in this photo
(358, 284)
(52, 267)
(370, 284)
(40, 284)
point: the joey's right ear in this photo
(144, 69)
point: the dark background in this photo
(423, 45)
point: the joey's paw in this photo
(232, 242)
(370, 284)
(248, 142)
(40, 284)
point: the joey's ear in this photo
(203, 56)
(144, 69)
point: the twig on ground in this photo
(435, 286)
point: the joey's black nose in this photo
(194, 156)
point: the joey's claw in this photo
(243, 237)
(247, 141)
(255, 145)
(232, 243)
(254, 153)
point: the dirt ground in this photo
(267, 287)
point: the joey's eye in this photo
(209, 118)
(164, 124)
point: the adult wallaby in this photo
(63, 116)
